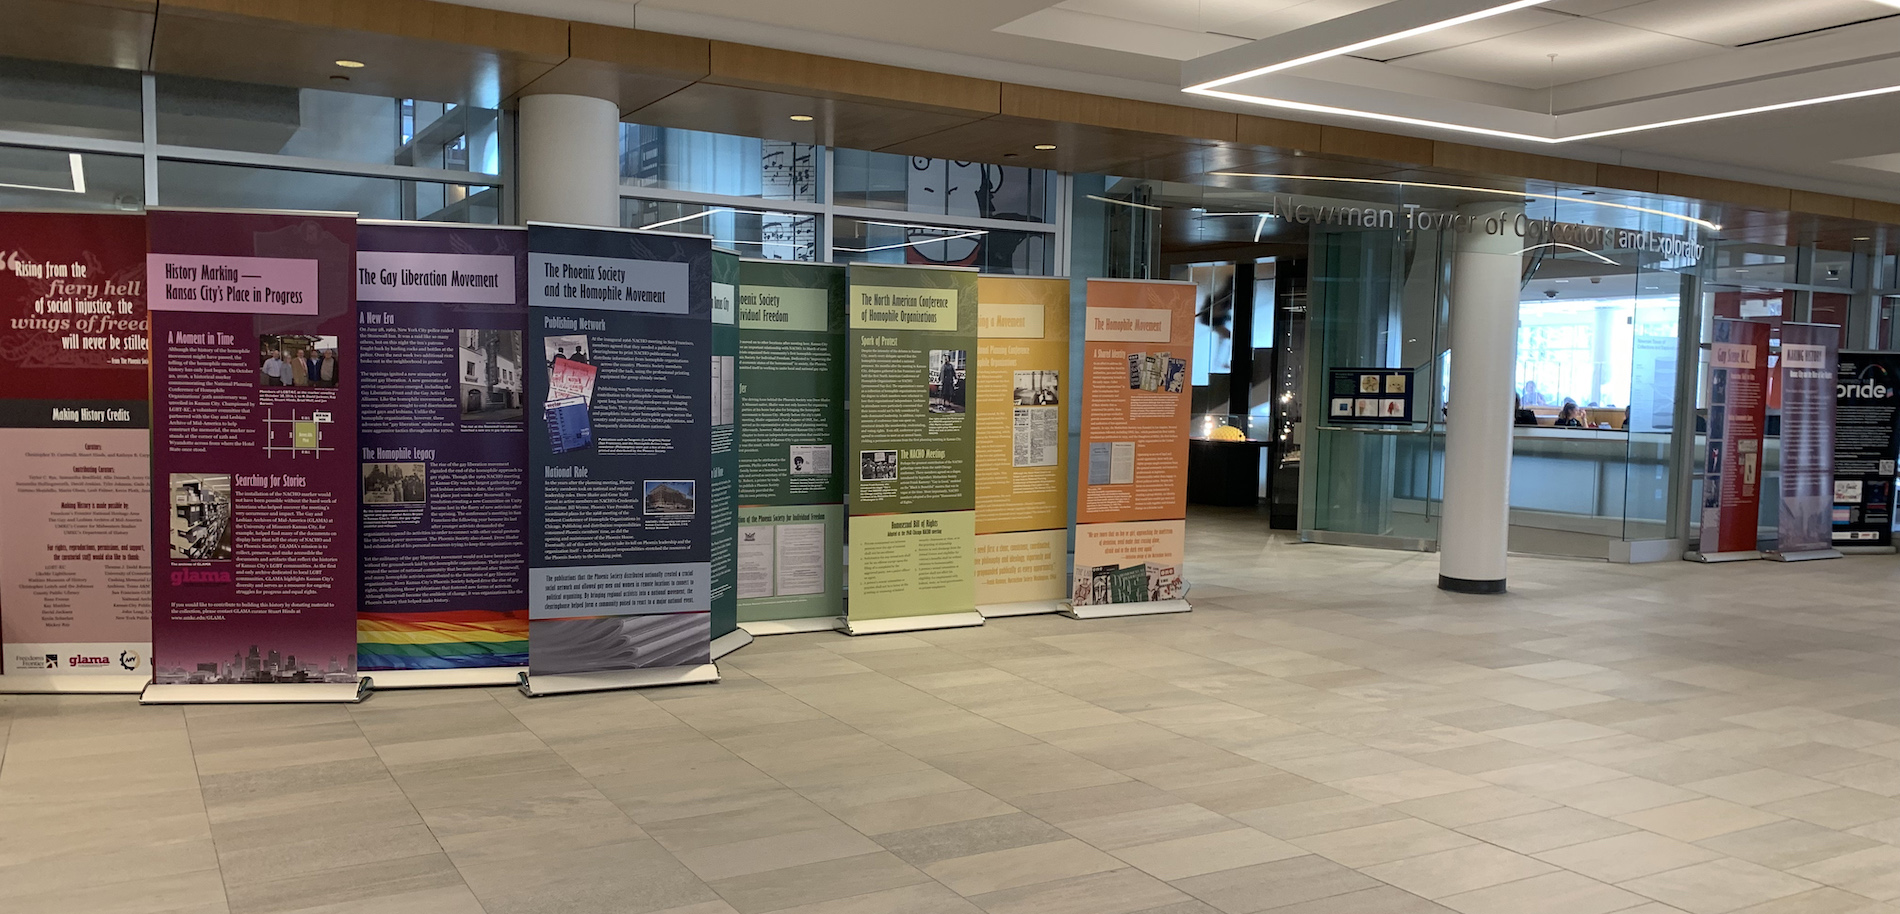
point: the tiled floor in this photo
(1325, 734)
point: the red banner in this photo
(1738, 412)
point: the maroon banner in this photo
(1738, 412)
(254, 470)
(75, 570)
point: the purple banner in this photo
(1810, 354)
(254, 470)
(443, 447)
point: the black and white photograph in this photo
(201, 517)
(946, 380)
(572, 347)
(669, 496)
(1038, 388)
(489, 369)
(876, 466)
(809, 459)
(395, 483)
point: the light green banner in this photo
(912, 347)
(791, 562)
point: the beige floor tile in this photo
(1788, 844)
(1625, 857)
(1623, 795)
(1148, 826)
(1467, 807)
(1281, 884)
(1114, 892)
(1369, 845)
(1547, 830)
(1456, 871)
(1698, 819)
(1296, 820)
(1718, 887)
(1880, 777)
(1758, 787)
(1180, 858)
(1873, 872)
(758, 855)
(1550, 893)
(1823, 900)
(924, 846)
(1838, 808)
(995, 871)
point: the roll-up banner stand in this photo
(1867, 403)
(619, 459)
(255, 477)
(912, 456)
(1131, 511)
(792, 388)
(75, 481)
(1738, 409)
(1022, 432)
(442, 454)
(1805, 528)
(723, 497)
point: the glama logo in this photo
(200, 576)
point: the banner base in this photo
(609, 680)
(1867, 550)
(793, 626)
(1714, 557)
(101, 684)
(1804, 556)
(729, 642)
(389, 680)
(1031, 608)
(852, 626)
(1115, 610)
(241, 693)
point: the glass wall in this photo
(794, 201)
(76, 137)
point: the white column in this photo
(569, 167)
(1486, 275)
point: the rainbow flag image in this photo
(465, 639)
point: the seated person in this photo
(1524, 416)
(1571, 416)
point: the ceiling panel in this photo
(1737, 22)
(1585, 49)
(1494, 27)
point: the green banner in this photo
(913, 440)
(791, 562)
(791, 396)
(725, 442)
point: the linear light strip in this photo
(1477, 190)
(1559, 244)
(1124, 202)
(78, 169)
(909, 244)
(1209, 89)
(1374, 42)
(688, 218)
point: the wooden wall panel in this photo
(1716, 190)
(100, 33)
(491, 30)
(1274, 133)
(829, 77)
(1385, 147)
(633, 68)
(1620, 177)
(1822, 204)
(1485, 161)
(1119, 114)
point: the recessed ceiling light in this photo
(1863, 238)
(351, 64)
(1045, 147)
(801, 118)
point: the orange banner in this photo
(1137, 359)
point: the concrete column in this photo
(1486, 276)
(569, 168)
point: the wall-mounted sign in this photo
(1369, 396)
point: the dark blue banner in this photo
(620, 412)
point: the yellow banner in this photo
(1022, 567)
(1022, 405)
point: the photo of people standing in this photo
(297, 361)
